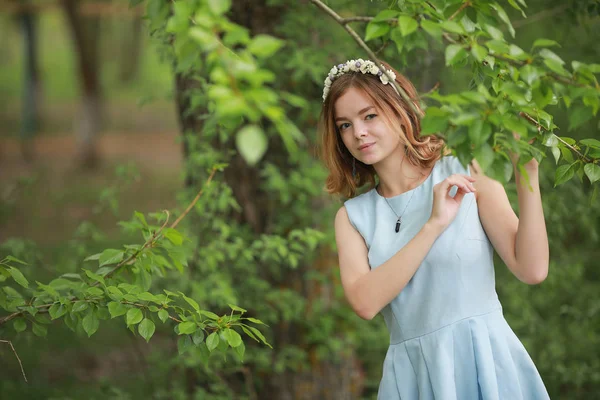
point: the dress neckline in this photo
(403, 194)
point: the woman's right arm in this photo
(369, 290)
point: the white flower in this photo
(392, 74)
(365, 67)
(333, 71)
(328, 81)
(384, 79)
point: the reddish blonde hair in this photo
(422, 151)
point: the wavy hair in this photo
(422, 151)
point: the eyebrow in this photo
(360, 112)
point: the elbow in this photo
(536, 275)
(365, 313)
(364, 309)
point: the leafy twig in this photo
(539, 126)
(16, 355)
(462, 7)
(366, 48)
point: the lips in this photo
(365, 146)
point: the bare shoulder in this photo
(352, 249)
(485, 185)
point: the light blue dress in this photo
(448, 337)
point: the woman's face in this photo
(363, 129)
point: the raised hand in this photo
(445, 207)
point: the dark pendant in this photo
(398, 224)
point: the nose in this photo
(360, 130)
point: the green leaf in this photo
(259, 335)
(18, 277)
(233, 338)
(174, 236)
(236, 308)
(57, 310)
(433, 124)
(146, 329)
(498, 46)
(134, 316)
(563, 174)
(187, 328)
(530, 74)
(198, 337)
(453, 27)
(555, 66)
(93, 257)
(39, 330)
(79, 306)
(219, 7)
(95, 277)
(407, 25)
(592, 171)
(212, 341)
(591, 143)
(504, 17)
(94, 291)
(376, 29)
(544, 43)
(240, 350)
(13, 259)
(163, 315)
(116, 309)
(385, 15)
(110, 256)
(432, 28)
(479, 132)
(479, 52)
(251, 142)
(264, 46)
(578, 116)
(550, 55)
(90, 323)
(20, 325)
(256, 321)
(454, 53)
(184, 344)
(210, 315)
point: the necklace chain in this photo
(399, 220)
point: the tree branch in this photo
(16, 355)
(366, 48)
(462, 7)
(540, 127)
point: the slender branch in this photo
(462, 7)
(130, 258)
(16, 355)
(366, 48)
(540, 127)
(187, 210)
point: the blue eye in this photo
(343, 126)
(370, 116)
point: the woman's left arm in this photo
(522, 242)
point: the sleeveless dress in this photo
(448, 337)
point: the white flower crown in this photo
(360, 65)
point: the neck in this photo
(398, 175)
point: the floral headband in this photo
(360, 65)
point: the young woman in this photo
(417, 247)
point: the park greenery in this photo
(244, 280)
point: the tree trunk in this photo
(31, 90)
(325, 379)
(89, 121)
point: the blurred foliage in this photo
(257, 95)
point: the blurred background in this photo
(90, 131)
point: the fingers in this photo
(463, 182)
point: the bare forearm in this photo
(378, 287)
(531, 243)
